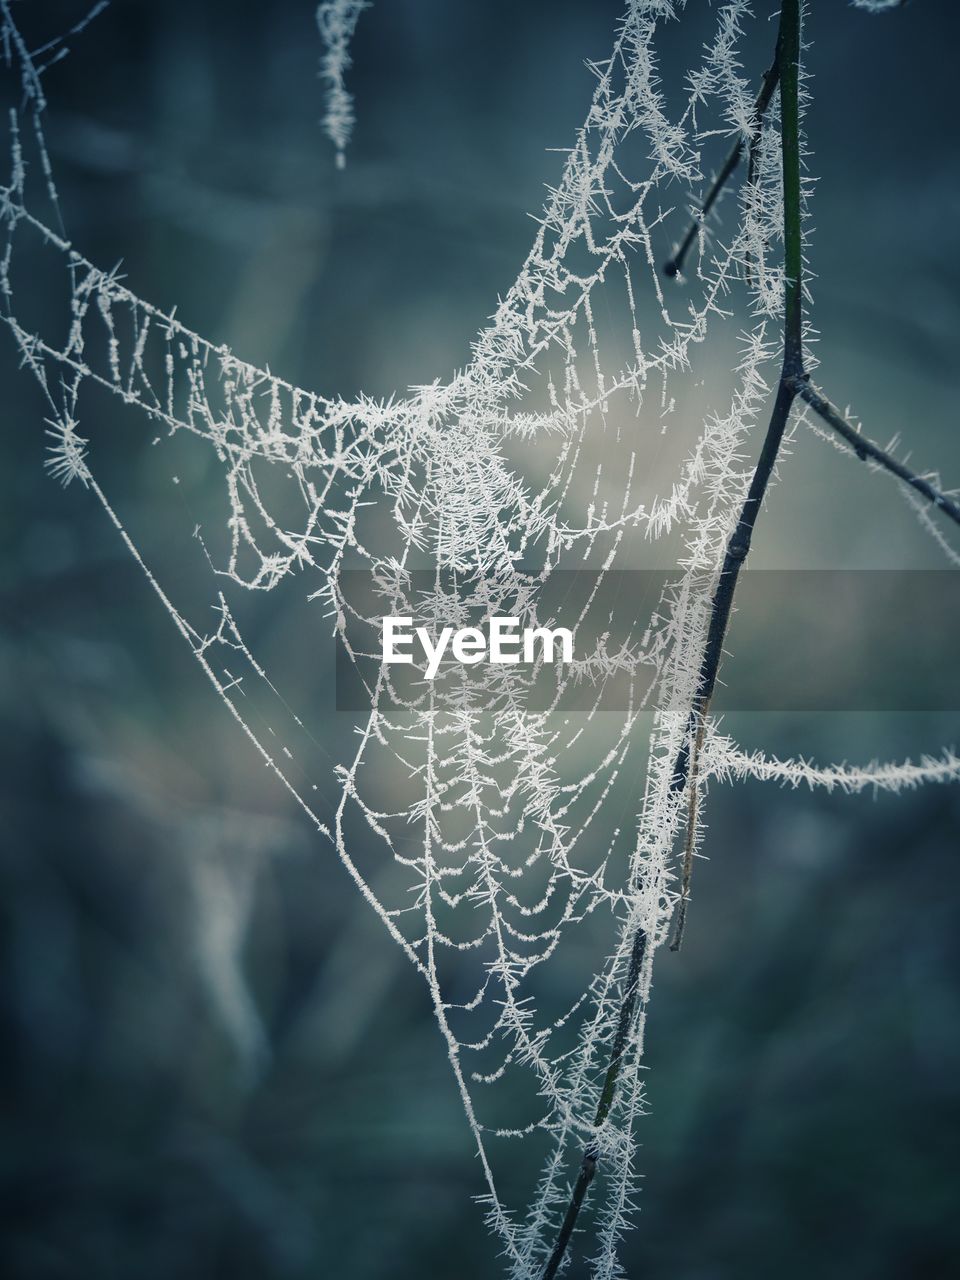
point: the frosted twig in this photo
(728, 762)
(788, 60)
(337, 21)
(674, 265)
(588, 1165)
(867, 451)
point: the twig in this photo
(786, 70)
(867, 451)
(588, 1165)
(674, 265)
(737, 550)
(791, 376)
(691, 838)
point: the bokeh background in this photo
(214, 1061)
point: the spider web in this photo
(482, 825)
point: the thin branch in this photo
(689, 847)
(792, 374)
(786, 70)
(674, 265)
(737, 549)
(867, 451)
(588, 1165)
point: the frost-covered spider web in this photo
(482, 821)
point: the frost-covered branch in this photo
(674, 265)
(337, 21)
(588, 1165)
(867, 451)
(738, 547)
(728, 763)
(787, 59)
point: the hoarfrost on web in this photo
(501, 838)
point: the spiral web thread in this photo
(502, 824)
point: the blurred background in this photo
(215, 1062)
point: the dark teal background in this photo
(804, 1048)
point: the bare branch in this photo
(674, 265)
(867, 451)
(588, 1165)
(786, 72)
